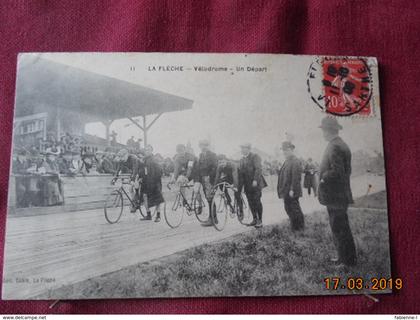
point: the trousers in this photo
(255, 204)
(342, 235)
(293, 210)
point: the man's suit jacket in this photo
(334, 174)
(290, 178)
(207, 165)
(250, 169)
(227, 173)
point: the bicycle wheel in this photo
(199, 208)
(243, 211)
(219, 211)
(113, 207)
(174, 213)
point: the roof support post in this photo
(153, 121)
(145, 127)
(107, 124)
(58, 124)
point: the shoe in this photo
(259, 224)
(335, 261)
(199, 210)
(147, 217)
(133, 209)
(208, 223)
(157, 219)
(240, 215)
(252, 224)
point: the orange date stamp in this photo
(359, 283)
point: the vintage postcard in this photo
(196, 175)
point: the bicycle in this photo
(221, 205)
(184, 204)
(114, 203)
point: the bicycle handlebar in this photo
(123, 180)
(226, 185)
(182, 186)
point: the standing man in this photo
(334, 190)
(206, 172)
(309, 181)
(137, 144)
(252, 179)
(113, 136)
(289, 186)
(131, 143)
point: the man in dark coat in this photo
(184, 166)
(252, 180)
(309, 181)
(152, 184)
(289, 186)
(206, 172)
(334, 190)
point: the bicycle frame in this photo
(181, 199)
(122, 190)
(223, 186)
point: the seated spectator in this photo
(21, 164)
(49, 164)
(50, 185)
(105, 163)
(87, 158)
(67, 165)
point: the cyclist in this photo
(136, 166)
(227, 171)
(152, 183)
(185, 165)
(206, 173)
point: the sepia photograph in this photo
(144, 175)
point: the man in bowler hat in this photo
(289, 186)
(335, 192)
(252, 180)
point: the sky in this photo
(231, 107)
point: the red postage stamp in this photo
(341, 86)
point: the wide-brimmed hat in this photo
(246, 145)
(330, 123)
(287, 145)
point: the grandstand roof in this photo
(43, 84)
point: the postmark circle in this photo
(341, 86)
